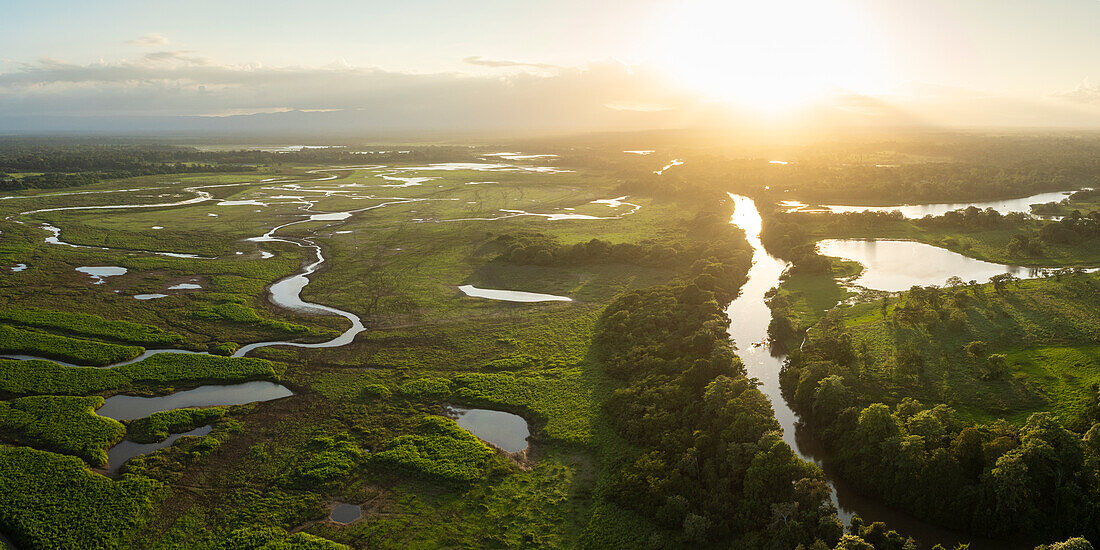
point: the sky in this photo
(567, 64)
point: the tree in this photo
(994, 367)
(975, 349)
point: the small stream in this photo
(126, 449)
(285, 292)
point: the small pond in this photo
(511, 295)
(345, 513)
(506, 431)
(99, 273)
(149, 296)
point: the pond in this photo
(126, 449)
(99, 273)
(506, 431)
(185, 286)
(345, 513)
(672, 164)
(898, 265)
(511, 295)
(149, 296)
(129, 407)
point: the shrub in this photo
(49, 500)
(157, 426)
(373, 391)
(46, 377)
(83, 324)
(426, 388)
(73, 350)
(67, 425)
(275, 538)
(439, 449)
(329, 461)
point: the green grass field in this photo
(1046, 328)
(397, 266)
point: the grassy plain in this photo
(396, 261)
(1046, 328)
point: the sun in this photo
(770, 55)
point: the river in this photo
(1004, 206)
(749, 318)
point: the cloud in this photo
(148, 40)
(186, 83)
(184, 57)
(499, 63)
(157, 89)
(1084, 93)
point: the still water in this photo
(898, 265)
(129, 407)
(1004, 206)
(511, 295)
(345, 513)
(506, 431)
(126, 449)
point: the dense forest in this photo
(1038, 479)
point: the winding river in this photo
(749, 318)
(285, 292)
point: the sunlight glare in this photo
(770, 55)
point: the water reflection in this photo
(1004, 206)
(129, 407)
(506, 431)
(126, 449)
(898, 265)
(511, 295)
(99, 273)
(345, 513)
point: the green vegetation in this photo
(558, 398)
(49, 500)
(157, 426)
(440, 449)
(241, 314)
(84, 324)
(803, 298)
(273, 538)
(86, 352)
(68, 425)
(855, 381)
(645, 432)
(328, 461)
(157, 371)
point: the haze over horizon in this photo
(492, 66)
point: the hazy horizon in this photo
(536, 68)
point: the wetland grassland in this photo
(365, 422)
